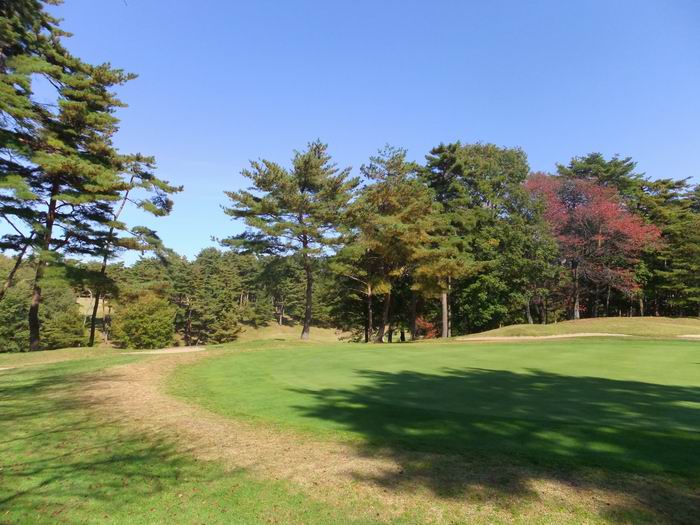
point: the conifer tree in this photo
(298, 210)
(61, 177)
(392, 217)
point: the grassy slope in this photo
(637, 326)
(60, 465)
(287, 333)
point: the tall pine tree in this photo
(298, 210)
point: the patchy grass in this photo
(17, 359)
(567, 431)
(273, 331)
(636, 326)
(600, 412)
(59, 463)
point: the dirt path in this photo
(371, 484)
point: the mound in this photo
(603, 326)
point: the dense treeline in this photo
(466, 240)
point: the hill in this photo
(633, 326)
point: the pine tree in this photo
(148, 193)
(295, 211)
(391, 218)
(60, 174)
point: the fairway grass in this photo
(595, 431)
(618, 408)
(631, 405)
(655, 327)
(61, 463)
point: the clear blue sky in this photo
(221, 82)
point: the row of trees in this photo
(475, 231)
(467, 240)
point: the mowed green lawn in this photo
(60, 463)
(621, 405)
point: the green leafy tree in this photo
(148, 322)
(480, 187)
(60, 317)
(295, 211)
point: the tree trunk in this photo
(445, 316)
(544, 310)
(596, 301)
(528, 313)
(449, 307)
(607, 302)
(34, 323)
(93, 317)
(385, 318)
(368, 325)
(402, 336)
(390, 334)
(188, 324)
(413, 315)
(641, 305)
(103, 268)
(577, 311)
(98, 294)
(18, 262)
(309, 298)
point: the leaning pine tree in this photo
(61, 178)
(297, 211)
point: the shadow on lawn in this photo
(481, 429)
(54, 456)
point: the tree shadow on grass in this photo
(55, 456)
(492, 432)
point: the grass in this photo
(602, 415)
(603, 410)
(58, 464)
(275, 332)
(658, 327)
(13, 359)
(618, 404)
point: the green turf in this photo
(636, 326)
(58, 464)
(621, 405)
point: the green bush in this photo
(61, 322)
(62, 325)
(149, 322)
(226, 328)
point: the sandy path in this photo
(370, 484)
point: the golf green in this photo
(623, 404)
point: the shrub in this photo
(226, 328)
(61, 322)
(149, 322)
(62, 325)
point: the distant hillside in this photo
(288, 333)
(636, 326)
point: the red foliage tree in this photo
(599, 238)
